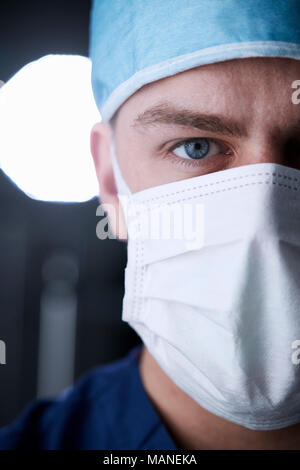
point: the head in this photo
(203, 120)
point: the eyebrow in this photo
(164, 113)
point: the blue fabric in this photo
(134, 42)
(107, 408)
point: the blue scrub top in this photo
(107, 408)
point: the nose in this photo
(265, 150)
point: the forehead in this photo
(229, 87)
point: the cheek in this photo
(132, 165)
(153, 170)
(142, 171)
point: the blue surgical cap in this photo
(135, 42)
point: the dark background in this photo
(32, 232)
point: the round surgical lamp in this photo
(47, 111)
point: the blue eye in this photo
(196, 149)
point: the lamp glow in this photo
(47, 110)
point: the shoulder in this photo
(83, 416)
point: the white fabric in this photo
(221, 319)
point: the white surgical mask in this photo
(222, 318)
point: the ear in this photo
(100, 149)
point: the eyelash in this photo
(192, 162)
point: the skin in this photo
(254, 92)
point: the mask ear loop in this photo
(123, 192)
(123, 189)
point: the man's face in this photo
(229, 114)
